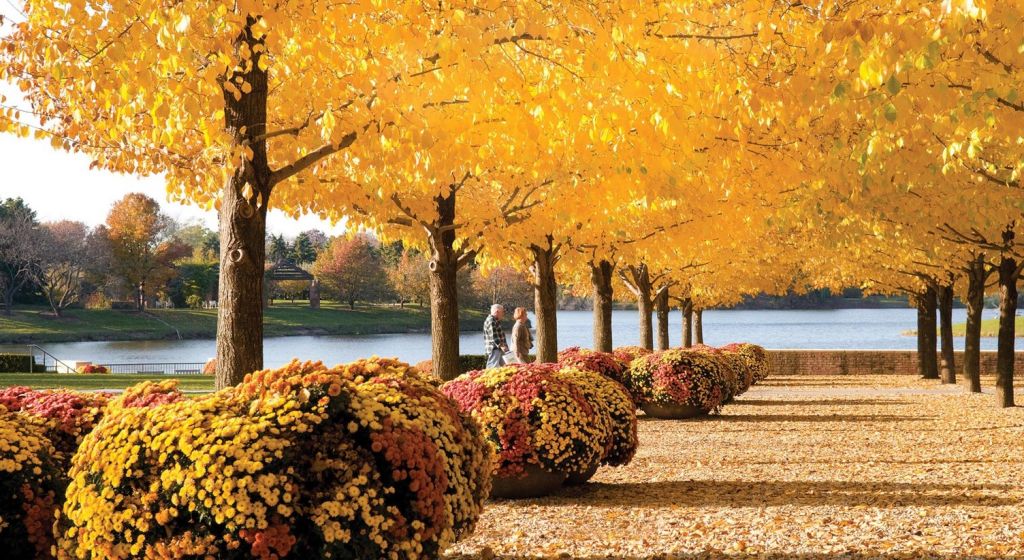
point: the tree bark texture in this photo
(976, 277)
(1008, 276)
(601, 279)
(661, 310)
(687, 310)
(545, 301)
(947, 365)
(927, 335)
(444, 293)
(243, 219)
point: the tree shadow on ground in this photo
(747, 493)
(877, 418)
(712, 555)
(818, 402)
(777, 383)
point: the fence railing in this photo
(165, 368)
(46, 362)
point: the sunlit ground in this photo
(799, 468)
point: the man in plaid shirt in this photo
(495, 346)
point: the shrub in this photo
(30, 486)
(755, 357)
(210, 367)
(629, 353)
(92, 368)
(610, 398)
(678, 377)
(601, 362)
(734, 371)
(64, 417)
(17, 363)
(530, 416)
(148, 394)
(368, 460)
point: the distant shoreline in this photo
(33, 325)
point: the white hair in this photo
(496, 307)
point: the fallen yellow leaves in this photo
(800, 468)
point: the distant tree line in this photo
(141, 258)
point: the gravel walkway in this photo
(801, 468)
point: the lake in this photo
(820, 329)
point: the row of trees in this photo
(683, 153)
(67, 262)
(142, 256)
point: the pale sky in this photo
(60, 186)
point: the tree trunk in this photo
(976, 276)
(661, 309)
(687, 310)
(444, 293)
(644, 304)
(545, 294)
(352, 305)
(1008, 276)
(927, 360)
(601, 279)
(698, 325)
(243, 228)
(948, 363)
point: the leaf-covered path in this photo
(807, 468)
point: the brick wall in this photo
(859, 362)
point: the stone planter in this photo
(672, 411)
(575, 479)
(536, 483)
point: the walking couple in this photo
(496, 348)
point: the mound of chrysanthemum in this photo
(755, 357)
(30, 488)
(605, 363)
(678, 383)
(540, 425)
(616, 414)
(64, 417)
(368, 460)
(629, 353)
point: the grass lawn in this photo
(799, 468)
(989, 327)
(37, 325)
(84, 382)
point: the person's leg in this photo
(494, 358)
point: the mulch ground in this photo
(800, 468)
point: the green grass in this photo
(89, 382)
(989, 327)
(37, 325)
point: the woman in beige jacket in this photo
(522, 341)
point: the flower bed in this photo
(604, 363)
(629, 353)
(678, 378)
(609, 398)
(533, 419)
(92, 368)
(755, 357)
(30, 486)
(367, 460)
(64, 417)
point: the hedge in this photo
(17, 363)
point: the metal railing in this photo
(49, 362)
(164, 368)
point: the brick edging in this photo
(866, 362)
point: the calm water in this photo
(835, 329)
